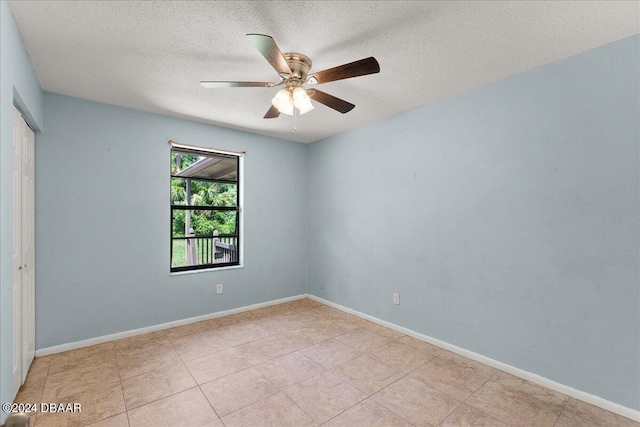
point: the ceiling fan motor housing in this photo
(300, 65)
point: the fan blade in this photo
(272, 113)
(236, 84)
(346, 71)
(331, 101)
(269, 49)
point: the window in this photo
(205, 209)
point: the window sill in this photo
(205, 270)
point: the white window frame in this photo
(240, 154)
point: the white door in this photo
(23, 249)
(17, 250)
(28, 250)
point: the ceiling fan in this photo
(293, 69)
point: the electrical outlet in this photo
(321, 285)
(396, 299)
(218, 289)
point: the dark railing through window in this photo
(211, 249)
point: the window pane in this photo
(204, 216)
(178, 191)
(178, 254)
(203, 222)
(211, 166)
(203, 250)
(181, 160)
(203, 193)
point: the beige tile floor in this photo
(295, 364)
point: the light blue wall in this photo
(102, 222)
(19, 85)
(506, 218)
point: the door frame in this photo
(16, 251)
(23, 250)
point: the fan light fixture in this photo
(282, 101)
(285, 100)
(301, 100)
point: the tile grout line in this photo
(450, 413)
(464, 402)
(94, 386)
(271, 382)
(245, 406)
(406, 376)
(252, 366)
(126, 411)
(194, 380)
(209, 402)
(325, 370)
(373, 394)
(172, 394)
(350, 407)
(561, 412)
(476, 390)
(281, 390)
(387, 408)
(46, 376)
(448, 416)
(461, 402)
(292, 401)
(368, 354)
(497, 372)
(163, 397)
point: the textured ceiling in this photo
(151, 55)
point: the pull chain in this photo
(295, 115)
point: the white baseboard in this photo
(126, 334)
(534, 378)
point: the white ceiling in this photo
(151, 55)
